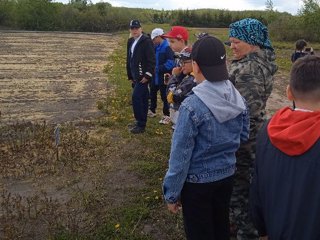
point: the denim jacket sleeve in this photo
(181, 151)
(244, 136)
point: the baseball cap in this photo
(185, 54)
(156, 32)
(210, 55)
(135, 24)
(177, 32)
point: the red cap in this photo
(177, 32)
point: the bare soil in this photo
(52, 76)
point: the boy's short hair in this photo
(305, 78)
(300, 44)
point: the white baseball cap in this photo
(156, 32)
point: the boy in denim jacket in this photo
(210, 126)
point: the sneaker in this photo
(137, 130)
(165, 120)
(151, 114)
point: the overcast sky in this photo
(291, 6)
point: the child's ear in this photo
(195, 67)
(289, 93)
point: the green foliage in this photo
(310, 15)
(6, 8)
(35, 14)
(83, 15)
(291, 28)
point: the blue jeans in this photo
(140, 97)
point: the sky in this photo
(291, 6)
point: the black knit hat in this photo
(210, 55)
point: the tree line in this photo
(83, 15)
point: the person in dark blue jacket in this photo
(301, 50)
(141, 61)
(164, 64)
(285, 191)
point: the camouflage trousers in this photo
(241, 225)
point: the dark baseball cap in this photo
(210, 55)
(185, 54)
(135, 24)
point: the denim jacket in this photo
(211, 123)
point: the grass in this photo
(148, 161)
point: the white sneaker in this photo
(151, 114)
(165, 120)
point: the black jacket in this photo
(285, 190)
(142, 63)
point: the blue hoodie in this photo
(164, 62)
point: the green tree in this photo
(310, 15)
(6, 8)
(269, 5)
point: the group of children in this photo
(211, 117)
(173, 72)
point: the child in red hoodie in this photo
(285, 190)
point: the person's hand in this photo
(263, 238)
(166, 78)
(132, 81)
(174, 207)
(176, 71)
(144, 80)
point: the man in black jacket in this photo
(140, 69)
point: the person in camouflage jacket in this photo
(251, 71)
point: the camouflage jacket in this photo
(253, 77)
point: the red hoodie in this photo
(294, 132)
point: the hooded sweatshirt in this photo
(294, 132)
(223, 100)
(285, 190)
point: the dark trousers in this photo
(153, 98)
(205, 208)
(140, 97)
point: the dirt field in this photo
(58, 76)
(52, 76)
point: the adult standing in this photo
(251, 71)
(164, 64)
(140, 70)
